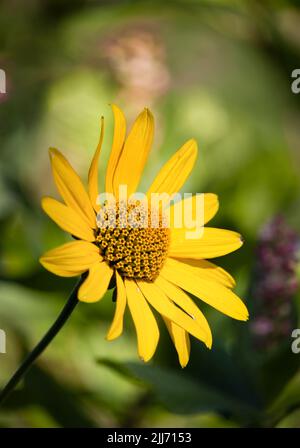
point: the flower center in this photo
(133, 239)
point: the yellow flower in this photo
(151, 267)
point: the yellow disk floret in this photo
(133, 239)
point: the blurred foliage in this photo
(218, 71)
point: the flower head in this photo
(153, 261)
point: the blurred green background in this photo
(218, 71)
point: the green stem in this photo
(43, 344)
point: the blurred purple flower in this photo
(275, 283)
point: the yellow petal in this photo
(135, 152)
(67, 219)
(116, 327)
(93, 171)
(213, 243)
(211, 206)
(181, 341)
(211, 292)
(208, 209)
(144, 321)
(186, 304)
(176, 171)
(71, 188)
(117, 146)
(157, 298)
(71, 259)
(96, 283)
(208, 270)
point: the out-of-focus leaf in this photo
(224, 370)
(7, 201)
(287, 400)
(178, 391)
(71, 354)
(63, 404)
(277, 371)
(291, 421)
